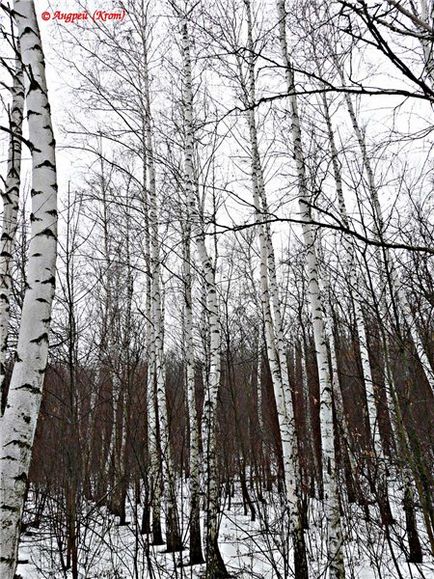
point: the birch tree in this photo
(194, 438)
(387, 275)
(215, 566)
(10, 197)
(334, 531)
(386, 266)
(274, 331)
(174, 542)
(19, 421)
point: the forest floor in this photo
(109, 551)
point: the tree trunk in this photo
(274, 331)
(10, 198)
(334, 532)
(19, 421)
(196, 556)
(215, 566)
(173, 539)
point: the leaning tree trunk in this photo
(19, 421)
(386, 266)
(388, 280)
(274, 331)
(10, 198)
(373, 417)
(376, 462)
(332, 508)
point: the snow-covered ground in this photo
(110, 551)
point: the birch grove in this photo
(235, 375)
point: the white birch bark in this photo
(153, 482)
(155, 474)
(214, 561)
(353, 282)
(123, 441)
(332, 510)
(10, 198)
(168, 480)
(269, 293)
(153, 310)
(18, 424)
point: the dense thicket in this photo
(244, 285)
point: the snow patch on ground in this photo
(110, 551)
